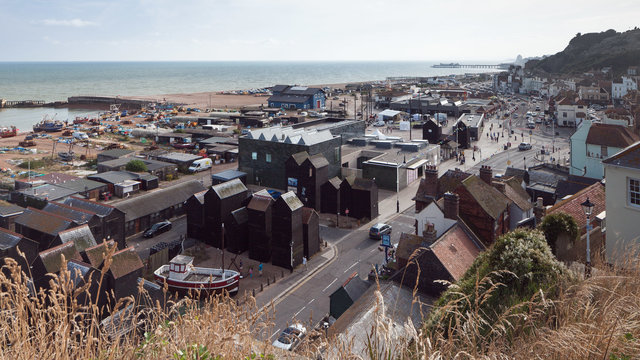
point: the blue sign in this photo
(386, 240)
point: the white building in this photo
(623, 204)
(571, 112)
(593, 143)
(619, 90)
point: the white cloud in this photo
(72, 22)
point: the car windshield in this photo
(156, 226)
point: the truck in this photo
(200, 165)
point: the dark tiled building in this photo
(81, 236)
(96, 254)
(331, 196)
(115, 154)
(196, 220)
(306, 174)
(143, 211)
(310, 232)
(42, 227)
(88, 188)
(112, 219)
(341, 299)
(11, 243)
(78, 215)
(237, 231)
(260, 216)
(8, 214)
(123, 274)
(50, 262)
(432, 132)
(287, 247)
(219, 201)
(263, 153)
(360, 196)
(432, 188)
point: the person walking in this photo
(304, 262)
(250, 271)
(260, 269)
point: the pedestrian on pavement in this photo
(304, 262)
(250, 271)
(240, 266)
(260, 269)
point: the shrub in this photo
(555, 224)
(35, 164)
(136, 165)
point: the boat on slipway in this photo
(181, 276)
(48, 125)
(8, 132)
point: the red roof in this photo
(456, 251)
(572, 206)
(611, 135)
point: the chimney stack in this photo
(539, 210)
(486, 174)
(431, 181)
(429, 235)
(500, 185)
(451, 206)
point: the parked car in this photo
(524, 146)
(531, 125)
(157, 228)
(290, 337)
(378, 230)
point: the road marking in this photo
(325, 289)
(309, 303)
(350, 267)
(272, 335)
(299, 311)
(374, 249)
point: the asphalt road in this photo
(309, 302)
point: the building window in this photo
(564, 114)
(337, 154)
(254, 156)
(603, 151)
(268, 158)
(634, 192)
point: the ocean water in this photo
(53, 81)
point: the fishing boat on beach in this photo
(181, 276)
(8, 132)
(48, 125)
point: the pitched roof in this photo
(81, 236)
(9, 209)
(48, 192)
(97, 253)
(571, 206)
(516, 193)
(159, 199)
(492, 201)
(520, 173)
(300, 157)
(78, 271)
(57, 178)
(291, 200)
(125, 262)
(241, 215)
(93, 206)
(8, 239)
(407, 244)
(611, 135)
(45, 222)
(78, 215)
(355, 287)
(52, 258)
(629, 157)
(113, 177)
(116, 153)
(450, 180)
(363, 184)
(82, 185)
(229, 188)
(228, 175)
(572, 185)
(456, 251)
(259, 203)
(319, 161)
(335, 182)
(200, 196)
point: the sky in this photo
(300, 30)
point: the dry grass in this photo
(596, 318)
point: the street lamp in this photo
(587, 207)
(398, 184)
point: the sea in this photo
(56, 81)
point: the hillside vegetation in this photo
(593, 51)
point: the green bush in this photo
(555, 224)
(518, 267)
(136, 165)
(35, 164)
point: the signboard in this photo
(386, 240)
(292, 184)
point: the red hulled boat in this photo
(181, 276)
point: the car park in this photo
(524, 146)
(157, 229)
(378, 230)
(290, 337)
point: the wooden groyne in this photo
(106, 101)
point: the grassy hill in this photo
(593, 51)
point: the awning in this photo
(417, 164)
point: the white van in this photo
(79, 135)
(200, 165)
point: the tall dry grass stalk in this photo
(63, 323)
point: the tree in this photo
(136, 165)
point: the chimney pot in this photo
(451, 205)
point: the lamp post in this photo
(587, 207)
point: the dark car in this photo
(157, 228)
(378, 230)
